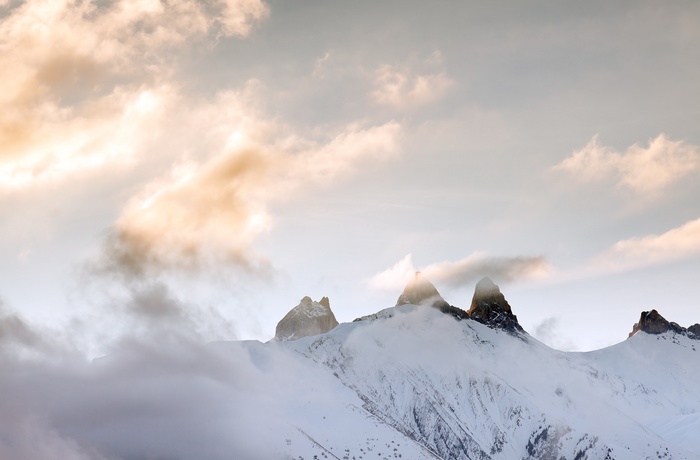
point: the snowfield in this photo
(414, 383)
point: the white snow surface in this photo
(414, 383)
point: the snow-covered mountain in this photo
(426, 382)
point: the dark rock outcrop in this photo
(307, 318)
(490, 307)
(652, 322)
(420, 291)
(694, 331)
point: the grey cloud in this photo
(501, 269)
(142, 401)
(16, 333)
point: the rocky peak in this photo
(420, 291)
(307, 318)
(652, 322)
(490, 307)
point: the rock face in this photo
(491, 308)
(420, 291)
(694, 331)
(307, 318)
(652, 322)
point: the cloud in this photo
(548, 331)
(210, 210)
(464, 271)
(84, 82)
(402, 87)
(183, 400)
(676, 244)
(16, 335)
(237, 17)
(644, 170)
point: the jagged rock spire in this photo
(307, 318)
(652, 322)
(490, 307)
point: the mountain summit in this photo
(490, 307)
(652, 322)
(307, 318)
(420, 291)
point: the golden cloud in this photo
(210, 210)
(81, 79)
(676, 244)
(645, 170)
(405, 87)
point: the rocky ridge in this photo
(489, 306)
(652, 322)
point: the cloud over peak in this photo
(464, 271)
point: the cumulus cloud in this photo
(644, 170)
(676, 244)
(82, 81)
(404, 87)
(210, 210)
(463, 271)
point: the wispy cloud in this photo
(464, 271)
(676, 244)
(548, 331)
(405, 87)
(644, 170)
(210, 210)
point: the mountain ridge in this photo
(411, 381)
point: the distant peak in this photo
(307, 318)
(652, 322)
(490, 307)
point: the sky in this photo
(180, 169)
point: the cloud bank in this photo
(643, 170)
(464, 271)
(85, 83)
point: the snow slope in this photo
(414, 383)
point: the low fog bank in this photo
(160, 395)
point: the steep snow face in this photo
(306, 319)
(412, 382)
